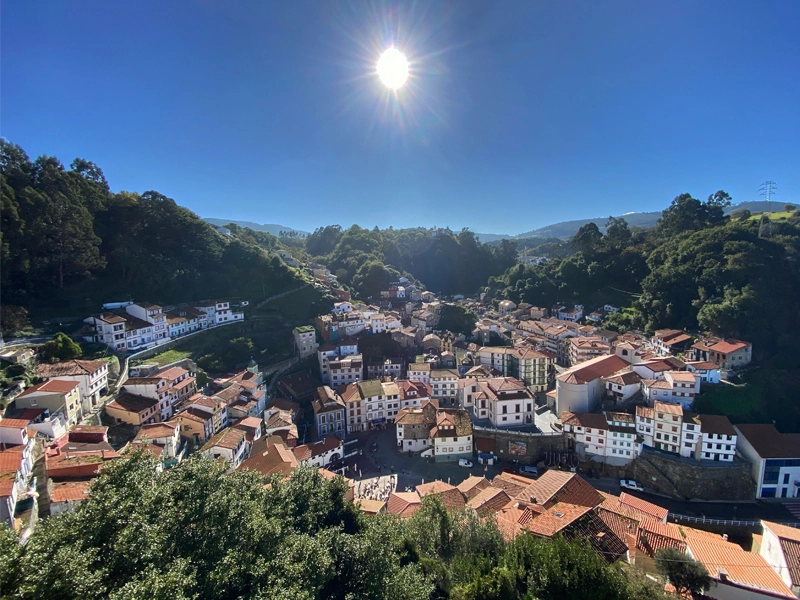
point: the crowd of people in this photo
(377, 488)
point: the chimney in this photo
(723, 574)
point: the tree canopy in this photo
(195, 531)
(67, 241)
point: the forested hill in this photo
(69, 244)
(698, 269)
(368, 259)
(271, 228)
(566, 229)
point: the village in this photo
(515, 421)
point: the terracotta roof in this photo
(489, 501)
(133, 403)
(153, 431)
(703, 365)
(70, 367)
(667, 408)
(745, 569)
(592, 420)
(620, 417)
(624, 378)
(556, 518)
(58, 386)
(558, 486)
(511, 483)
(309, 451)
(14, 423)
(644, 412)
(227, 438)
(769, 442)
(684, 376)
(472, 486)
(10, 461)
(450, 496)
(270, 456)
(70, 491)
(404, 504)
(790, 544)
(728, 346)
(643, 506)
(585, 372)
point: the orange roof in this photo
(601, 366)
(58, 386)
(556, 518)
(740, 568)
(14, 423)
(728, 346)
(489, 501)
(404, 504)
(668, 408)
(69, 491)
(472, 486)
(643, 506)
(448, 494)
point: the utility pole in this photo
(767, 190)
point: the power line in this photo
(767, 190)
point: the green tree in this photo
(618, 234)
(682, 571)
(13, 319)
(588, 238)
(456, 318)
(61, 347)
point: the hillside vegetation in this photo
(368, 259)
(196, 532)
(699, 270)
(69, 244)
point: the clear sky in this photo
(516, 114)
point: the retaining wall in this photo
(527, 448)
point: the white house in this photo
(321, 453)
(623, 385)
(780, 547)
(505, 401)
(581, 388)
(419, 372)
(413, 427)
(229, 444)
(91, 375)
(452, 436)
(676, 386)
(412, 393)
(443, 384)
(708, 371)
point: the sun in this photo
(393, 68)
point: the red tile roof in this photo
(556, 518)
(448, 494)
(728, 346)
(70, 491)
(740, 568)
(769, 442)
(643, 506)
(59, 386)
(404, 504)
(489, 501)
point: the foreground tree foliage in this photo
(683, 572)
(197, 532)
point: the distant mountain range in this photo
(566, 229)
(562, 230)
(272, 228)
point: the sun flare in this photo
(393, 68)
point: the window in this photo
(786, 479)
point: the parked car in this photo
(507, 469)
(630, 484)
(529, 471)
(463, 462)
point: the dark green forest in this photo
(69, 244)
(195, 532)
(368, 259)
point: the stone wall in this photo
(691, 480)
(530, 448)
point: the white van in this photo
(529, 471)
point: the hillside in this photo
(272, 228)
(69, 244)
(566, 229)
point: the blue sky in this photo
(516, 114)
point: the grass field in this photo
(775, 216)
(170, 356)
